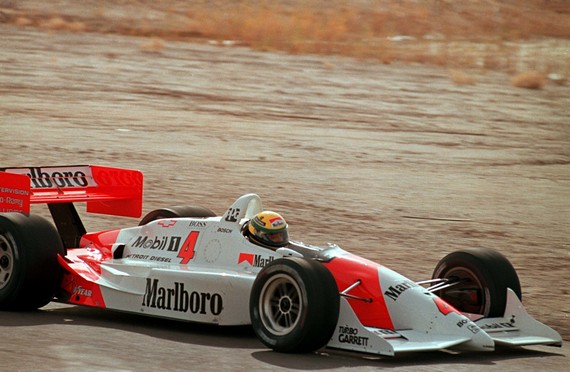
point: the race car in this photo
(189, 264)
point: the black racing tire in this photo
(177, 212)
(485, 275)
(294, 305)
(30, 273)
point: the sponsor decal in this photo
(160, 259)
(499, 325)
(6, 190)
(232, 214)
(147, 257)
(178, 298)
(260, 261)
(79, 290)
(12, 201)
(224, 230)
(167, 224)
(197, 224)
(171, 243)
(138, 256)
(50, 177)
(14, 192)
(255, 260)
(395, 291)
(473, 328)
(349, 335)
(277, 222)
(247, 257)
(258, 221)
(386, 333)
(117, 177)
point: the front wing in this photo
(515, 328)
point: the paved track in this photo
(63, 337)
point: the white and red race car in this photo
(187, 263)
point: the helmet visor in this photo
(274, 239)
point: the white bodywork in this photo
(152, 273)
(213, 287)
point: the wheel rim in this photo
(280, 304)
(469, 296)
(6, 261)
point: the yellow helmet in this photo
(269, 228)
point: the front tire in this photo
(483, 276)
(294, 305)
(29, 270)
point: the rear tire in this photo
(177, 212)
(485, 274)
(30, 273)
(294, 305)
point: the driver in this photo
(267, 229)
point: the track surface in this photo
(60, 337)
(395, 163)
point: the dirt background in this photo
(392, 162)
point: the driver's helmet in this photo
(269, 228)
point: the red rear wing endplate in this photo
(106, 190)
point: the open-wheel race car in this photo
(240, 268)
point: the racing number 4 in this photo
(186, 253)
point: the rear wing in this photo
(106, 190)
